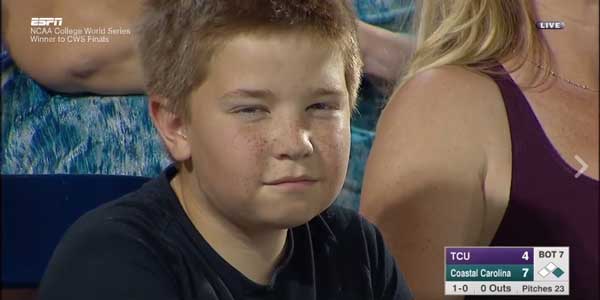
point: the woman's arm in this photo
(100, 67)
(424, 181)
(385, 53)
(114, 67)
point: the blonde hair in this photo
(476, 34)
(179, 38)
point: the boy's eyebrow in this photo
(249, 93)
(326, 91)
(268, 94)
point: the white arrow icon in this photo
(584, 166)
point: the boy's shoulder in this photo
(144, 207)
(122, 243)
(355, 248)
(142, 215)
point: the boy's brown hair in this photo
(178, 38)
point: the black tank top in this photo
(548, 205)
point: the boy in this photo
(252, 99)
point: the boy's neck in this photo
(254, 253)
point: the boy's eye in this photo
(322, 106)
(250, 113)
(249, 110)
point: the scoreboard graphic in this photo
(531, 271)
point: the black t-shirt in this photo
(143, 246)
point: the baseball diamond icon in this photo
(551, 268)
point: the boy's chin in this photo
(292, 221)
(292, 216)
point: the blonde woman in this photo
(492, 139)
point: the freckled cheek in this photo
(248, 156)
(334, 147)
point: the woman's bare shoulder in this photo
(447, 87)
(435, 130)
(444, 98)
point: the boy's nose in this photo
(292, 142)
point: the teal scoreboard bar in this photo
(519, 271)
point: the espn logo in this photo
(550, 25)
(46, 21)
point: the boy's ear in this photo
(171, 127)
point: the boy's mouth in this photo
(293, 181)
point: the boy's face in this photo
(269, 131)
